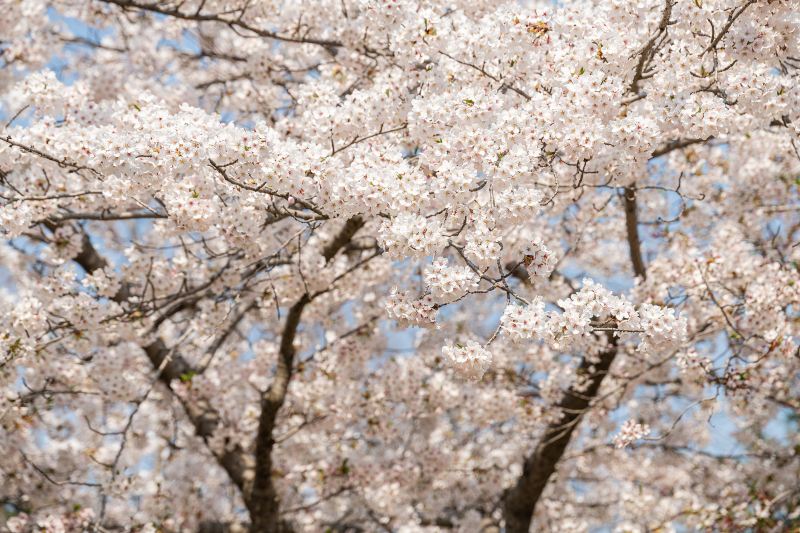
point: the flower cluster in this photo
(525, 322)
(539, 259)
(630, 432)
(410, 235)
(449, 282)
(482, 243)
(689, 361)
(78, 520)
(411, 312)
(595, 308)
(469, 360)
(662, 329)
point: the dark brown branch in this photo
(202, 415)
(357, 139)
(263, 189)
(343, 238)
(263, 502)
(61, 196)
(503, 85)
(128, 215)
(59, 483)
(88, 258)
(90, 43)
(263, 499)
(632, 231)
(731, 19)
(237, 23)
(649, 50)
(677, 145)
(519, 501)
(63, 163)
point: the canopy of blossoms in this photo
(399, 265)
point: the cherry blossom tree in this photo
(396, 265)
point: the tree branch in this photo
(649, 50)
(62, 163)
(263, 501)
(676, 145)
(735, 14)
(519, 502)
(632, 230)
(233, 23)
(202, 415)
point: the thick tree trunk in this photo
(521, 500)
(263, 501)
